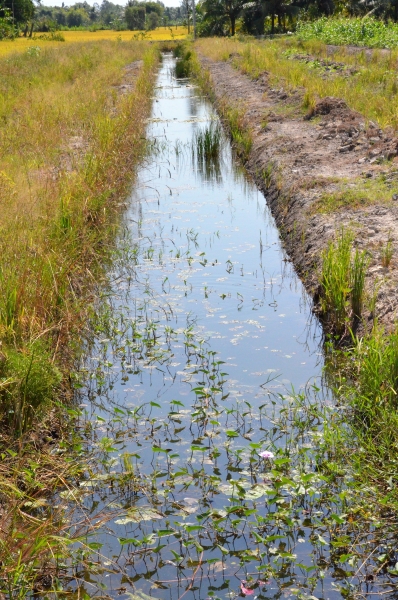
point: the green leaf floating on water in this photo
(138, 514)
(232, 433)
(257, 491)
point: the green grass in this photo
(183, 55)
(358, 193)
(207, 142)
(342, 283)
(232, 115)
(350, 31)
(372, 91)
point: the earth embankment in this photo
(322, 170)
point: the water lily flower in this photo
(266, 454)
(245, 590)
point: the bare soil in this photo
(297, 157)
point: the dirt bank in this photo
(300, 159)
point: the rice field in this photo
(158, 35)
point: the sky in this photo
(122, 2)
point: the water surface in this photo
(206, 326)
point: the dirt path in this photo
(296, 161)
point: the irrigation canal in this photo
(206, 326)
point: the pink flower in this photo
(245, 590)
(266, 454)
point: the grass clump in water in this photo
(183, 66)
(342, 282)
(207, 142)
(206, 150)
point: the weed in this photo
(387, 253)
(309, 103)
(342, 282)
(207, 142)
(358, 269)
(183, 64)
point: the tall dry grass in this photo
(69, 141)
(372, 90)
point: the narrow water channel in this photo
(201, 339)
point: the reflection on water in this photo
(205, 328)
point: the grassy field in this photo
(158, 35)
(371, 91)
(69, 141)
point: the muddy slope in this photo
(294, 160)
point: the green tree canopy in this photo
(20, 11)
(135, 17)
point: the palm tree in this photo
(223, 12)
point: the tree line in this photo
(15, 15)
(213, 17)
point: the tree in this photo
(60, 17)
(155, 7)
(75, 17)
(152, 20)
(186, 10)
(222, 15)
(109, 12)
(135, 17)
(20, 11)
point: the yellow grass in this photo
(69, 141)
(66, 149)
(161, 34)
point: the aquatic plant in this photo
(183, 64)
